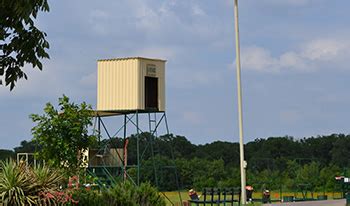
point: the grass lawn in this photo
(174, 198)
(275, 196)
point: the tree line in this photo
(273, 162)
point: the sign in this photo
(151, 70)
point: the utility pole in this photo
(243, 163)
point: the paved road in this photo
(312, 203)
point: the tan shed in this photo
(131, 84)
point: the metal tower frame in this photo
(131, 119)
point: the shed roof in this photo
(126, 58)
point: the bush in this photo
(127, 194)
(23, 185)
(149, 196)
(121, 194)
(16, 186)
(88, 197)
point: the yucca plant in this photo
(17, 186)
(47, 182)
(47, 179)
(21, 184)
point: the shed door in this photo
(151, 93)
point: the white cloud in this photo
(311, 56)
(290, 116)
(324, 49)
(39, 83)
(148, 18)
(56, 78)
(156, 52)
(288, 2)
(183, 79)
(333, 98)
(181, 22)
(193, 118)
(89, 80)
(197, 10)
(292, 60)
(258, 58)
(99, 14)
(98, 21)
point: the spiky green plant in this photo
(17, 186)
(47, 179)
(47, 182)
(21, 184)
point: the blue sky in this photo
(295, 57)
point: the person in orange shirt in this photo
(193, 194)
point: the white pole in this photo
(240, 113)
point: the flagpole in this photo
(240, 113)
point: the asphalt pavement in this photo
(341, 202)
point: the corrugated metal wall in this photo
(121, 83)
(160, 74)
(117, 87)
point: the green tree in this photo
(341, 151)
(179, 145)
(27, 147)
(62, 135)
(202, 172)
(219, 150)
(327, 175)
(308, 177)
(21, 42)
(232, 178)
(319, 147)
(6, 154)
(290, 175)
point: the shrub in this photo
(23, 185)
(47, 179)
(121, 194)
(127, 194)
(88, 197)
(149, 196)
(16, 185)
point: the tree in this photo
(26, 147)
(62, 134)
(170, 145)
(309, 175)
(6, 154)
(341, 151)
(327, 174)
(21, 42)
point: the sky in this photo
(295, 57)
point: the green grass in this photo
(175, 199)
(275, 196)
